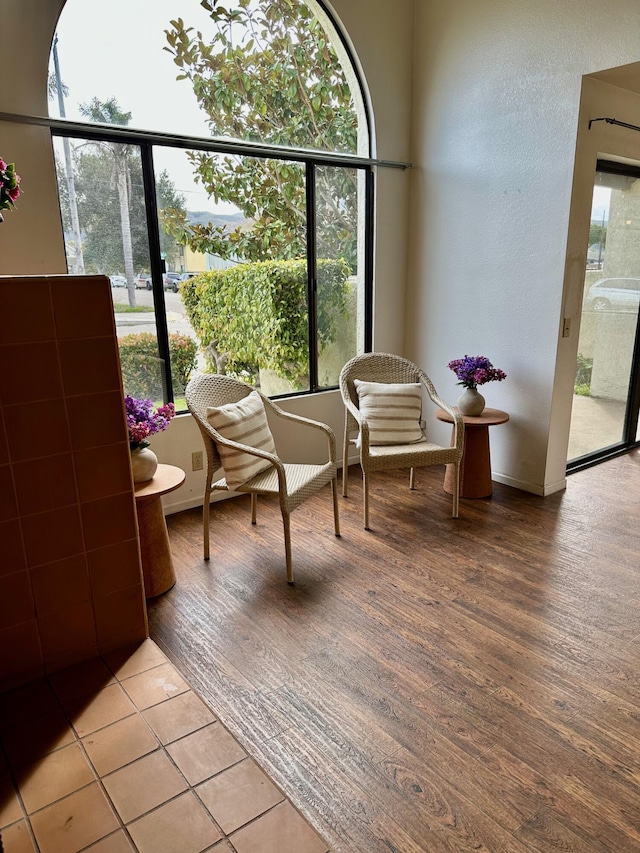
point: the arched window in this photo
(216, 172)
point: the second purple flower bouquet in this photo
(474, 370)
(143, 420)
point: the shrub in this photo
(582, 390)
(255, 315)
(142, 367)
(584, 368)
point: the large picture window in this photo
(242, 243)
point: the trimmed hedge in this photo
(142, 367)
(254, 316)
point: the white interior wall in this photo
(496, 100)
(381, 39)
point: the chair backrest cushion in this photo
(244, 422)
(392, 411)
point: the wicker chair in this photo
(292, 483)
(388, 368)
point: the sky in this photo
(115, 49)
(600, 204)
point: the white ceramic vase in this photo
(144, 463)
(471, 402)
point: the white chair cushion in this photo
(244, 422)
(392, 411)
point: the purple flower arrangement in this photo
(143, 421)
(9, 186)
(474, 370)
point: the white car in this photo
(118, 281)
(615, 294)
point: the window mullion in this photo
(368, 260)
(153, 236)
(312, 275)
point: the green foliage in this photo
(171, 203)
(142, 368)
(597, 234)
(255, 315)
(584, 368)
(125, 308)
(96, 169)
(99, 210)
(269, 74)
(582, 390)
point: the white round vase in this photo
(144, 463)
(471, 402)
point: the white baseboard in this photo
(533, 488)
(193, 501)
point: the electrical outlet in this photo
(196, 461)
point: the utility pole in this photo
(78, 258)
(600, 243)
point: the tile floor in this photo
(119, 755)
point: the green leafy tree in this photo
(597, 234)
(99, 211)
(171, 204)
(111, 206)
(269, 74)
(109, 112)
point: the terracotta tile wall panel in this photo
(114, 568)
(16, 599)
(53, 535)
(30, 373)
(83, 311)
(63, 583)
(8, 504)
(11, 548)
(115, 472)
(119, 614)
(78, 633)
(37, 430)
(27, 313)
(109, 520)
(96, 420)
(70, 577)
(124, 639)
(4, 449)
(45, 484)
(100, 367)
(23, 656)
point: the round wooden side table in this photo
(475, 467)
(157, 564)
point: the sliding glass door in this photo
(604, 419)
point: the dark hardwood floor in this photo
(434, 684)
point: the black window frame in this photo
(146, 141)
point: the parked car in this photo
(143, 281)
(615, 294)
(118, 281)
(185, 276)
(171, 281)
